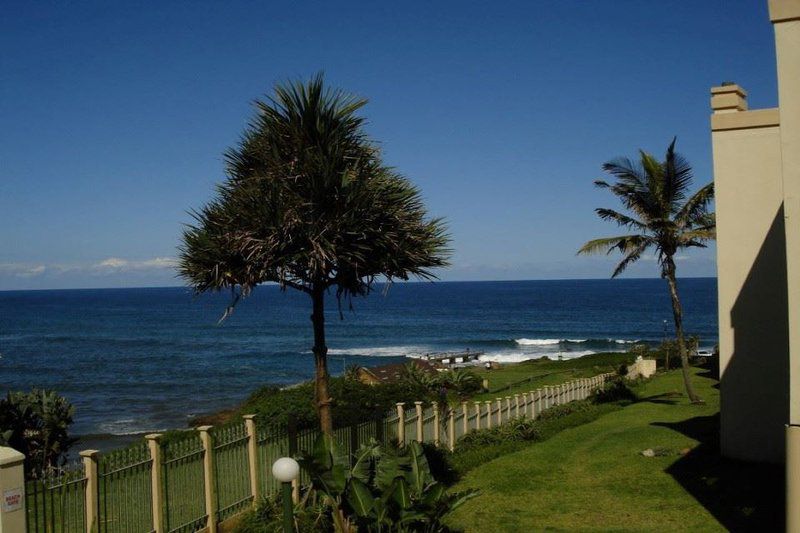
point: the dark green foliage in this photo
(459, 383)
(616, 390)
(37, 425)
(267, 517)
(380, 488)
(309, 201)
(354, 402)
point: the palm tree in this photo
(661, 218)
(309, 204)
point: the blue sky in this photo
(114, 117)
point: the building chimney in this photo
(728, 98)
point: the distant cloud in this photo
(117, 264)
(21, 270)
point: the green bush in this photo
(381, 488)
(267, 517)
(616, 390)
(37, 424)
(354, 402)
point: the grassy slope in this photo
(546, 372)
(593, 477)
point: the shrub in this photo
(37, 425)
(616, 390)
(354, 402)
(385, 488)
(267, 517)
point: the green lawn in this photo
(540, 372)
(594, 478)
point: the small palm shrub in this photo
(381, 489)
(37, 424)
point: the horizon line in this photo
(378, 283)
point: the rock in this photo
(649, 452)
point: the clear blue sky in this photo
(113, 118)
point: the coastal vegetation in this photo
(356, 401)
(663, 217)
(309, 204)
(36, 423)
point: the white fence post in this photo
(420, 428)
(451, 428)
(436, 422)
(156, 487)
(488, 414)
(208, 477)
(252, 455)
(12, 490)
(401, 423)
(477, 415)
(465, 422)
(92, 504)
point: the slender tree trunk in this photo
(677, 314)
(320, 350)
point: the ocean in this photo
(137, 360)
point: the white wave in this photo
(516, 357)
(126, 426)
(537, 342)
(624, 341)
(382, 351)
(577, 340)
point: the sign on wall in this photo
(12, 499)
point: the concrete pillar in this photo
(252, 455)
(516, 405)
(451, 429)
(792, 479)
(436, 423)
(401, 423)
(92, 504)
(499, 411)
(488, 414)
(465, 419)
(208, 477)
(785, 17)
(477, 415)
(420, 427)
(12, 490)
(156, 487)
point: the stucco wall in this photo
(752, 297)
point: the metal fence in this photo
(201, 478)
(124, 482)
(55, 501)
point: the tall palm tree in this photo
(309, 204)
(661, 218)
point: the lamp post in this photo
(285, 470)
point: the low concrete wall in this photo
(642, 368)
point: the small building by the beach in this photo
(391, 373)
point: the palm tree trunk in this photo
(321, 362)
(677, 314)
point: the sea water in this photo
(136, 360)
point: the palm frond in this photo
(623, 243)
(620, 218)
(695, 208)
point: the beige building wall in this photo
(751, 258)
(757, 176)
